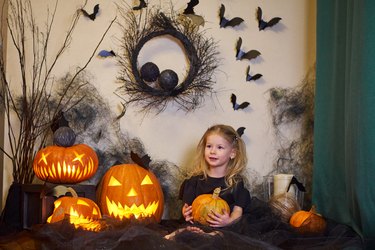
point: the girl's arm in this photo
(225, 219)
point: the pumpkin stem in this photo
(313, 209)
(216, 193)
(72, 191)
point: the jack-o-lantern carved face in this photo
(81, 212)
(72, 164)
(128, 192)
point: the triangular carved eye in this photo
(146, 181)
(113, 182)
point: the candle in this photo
(281, 183)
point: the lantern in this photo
(67, 163)
(81, 212)
(204, 204)
(130, 192)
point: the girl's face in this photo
(218, 151)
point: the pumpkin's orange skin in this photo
(58, 164)
(128, 192)
(75, 207)
(308, 222)
(204, 204)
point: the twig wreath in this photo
(200, 51)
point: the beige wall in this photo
(288, 51)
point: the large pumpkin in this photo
(130, 192)
(308, 222)
(81, 212)
(204, 204)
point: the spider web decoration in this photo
(200, 51)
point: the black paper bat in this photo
(143, 161)
(142, 4)
(93, 15)
(299, 185)
(106, 53)
(264, 24)
(237, 106)
(190, 7)
(240, 131)
(250, 77)
(240, 54)
(59, 121)
(224, 22)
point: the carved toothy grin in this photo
(125, 212)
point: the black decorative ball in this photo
(150, 72)
(168, 79)
(64, 137)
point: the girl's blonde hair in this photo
(236, 166)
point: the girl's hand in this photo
(222, 220)
(187, 212)
(219, 220)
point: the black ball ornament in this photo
(64, 137)
(168, 79)
(150, 72)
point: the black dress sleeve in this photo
(188, 190)
(241, 196)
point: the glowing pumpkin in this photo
(130, 192)
(65, 162)
(308, 222)
(205, 203)
(81, 212)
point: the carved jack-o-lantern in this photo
(81, 212)
(65, 162)
(129, 192)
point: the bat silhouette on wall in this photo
(142, 4)
(250, 77)
(92, 16)
(106, 53)
(143, 161)
(264, 24)
(240, 131)
(237, 106)
(190, 7)
(224, 22)
(240, 54)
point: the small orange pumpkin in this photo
(308, 222)
(129, 192)
(81, 212)
(65, 162)
(205, 203)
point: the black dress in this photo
(197, 185)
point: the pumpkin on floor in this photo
(79, 211)
(205, 203)
(308, 222)
(129, 192)
(65, 162)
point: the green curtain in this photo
(344, 132)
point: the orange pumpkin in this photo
(308, 222)
(72, 164)
(81, 212)
(205, 203)
(130, 192)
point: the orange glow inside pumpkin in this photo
(89, 222)
(123, 211)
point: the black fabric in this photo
(258, 229)
(197, 185)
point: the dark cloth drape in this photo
(344, 132)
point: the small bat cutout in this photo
(240, 54)
(143, 161)
(250, 77)
(240, 131)
(264, 24)
(106, 53)
(224, 22)
(237, 106)
(190, 7)
(142, 4)
(93, 15)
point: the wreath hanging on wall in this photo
(138, 83)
